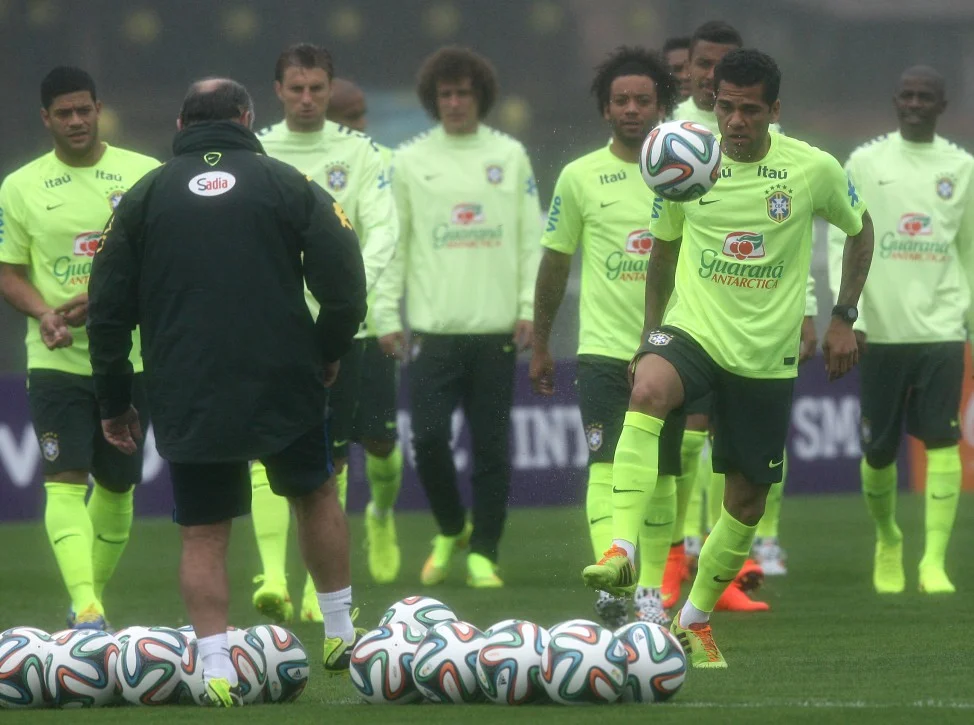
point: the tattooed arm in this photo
(660, 276)
(840, 346)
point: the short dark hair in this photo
(632, 61)
(748, 67)
(304, 55)
(225, 101)
(678, 43)
(454, 63)
(65, 79)
(716, 31)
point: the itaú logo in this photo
(212, 183)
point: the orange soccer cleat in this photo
(673, 575)
(735, 600)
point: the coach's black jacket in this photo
(208, 254)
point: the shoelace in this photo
(613, 552)
(707, 642)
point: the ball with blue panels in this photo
(381, 666)
(509, 664)
(22, 654)
(583, 664)
(680, 160)
(655, 663)
(445, 667)
(79, 669)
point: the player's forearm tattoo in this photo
(548, 292)
(660, 275)
(857, 256)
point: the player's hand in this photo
(542, 371)
(861, 342)
(54, 331)
(523, 334)
(75, 311)
(331, 373)
(393, 345)
(809, 340)
(840, 348)
(123, 431)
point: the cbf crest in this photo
(114, 197)
(779, 202)
(495, 174)
(336, 177)
(49, 447)
(945, 187)
(659, 338)
(593, 434)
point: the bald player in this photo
(920, 191)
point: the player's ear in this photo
(605, 112)
(97, 109)
(179, 123)
(278, 88)
(775, 111)
(45, 118)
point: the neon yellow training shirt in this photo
(51, 217)
(746, 250)
(602, 204)
(921, 200)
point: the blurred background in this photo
(840, 60)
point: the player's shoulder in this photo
(270, 133)
(132, 158)
(952, 149)
(412, 148)
(350, 138)
(807, 156)
(499, 139)
(873, 147)
(581, 168)
(33, 174)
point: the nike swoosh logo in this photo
(600, 518)
(428, 177)
(722, 581)
(62, 538)
(390, 425)
(876, 495)
(604, 204)
(664, 523)
(51, 207)
(704, 202)
(626, 490)
(772, 464)
(886, 183)
(935, 497)
(340, 443)
(111, 541)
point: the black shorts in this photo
(67, 422)
(921, 382)
(343, 400)
(603, 399)
(207, 493)
(376, 413)
(750, 417)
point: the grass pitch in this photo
(830, 650)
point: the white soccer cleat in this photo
(770, 556)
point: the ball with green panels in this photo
(680, 160)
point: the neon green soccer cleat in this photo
(382, 546)
(437, 565)
(698, 645)
(220, 693)
(272, 600)
(482, 573)
(614, 574)
(338, 653)
(888, 577)
(933, 580)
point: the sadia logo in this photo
(915, 225)
(467, 214)
(639, 242)
(86, 244)
(744, 245)
(212, 183)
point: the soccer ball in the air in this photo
(445, 667)
(419, 613)
(381, 666)
(287, 663)
(22, 654)
(657, 666)
(79, 670)
(509, 664)
(680, 160)
(148, 667)
(583, 664)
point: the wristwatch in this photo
(846, 313)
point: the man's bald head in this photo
(347, 104)
(927, 75)
(216, 99)
(919, 100)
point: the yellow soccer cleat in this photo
(272, 600)
(482, 573)
(933, 580)
(338, 653)
(698, 645)
(220, 693)
(382, 546)
(614, 573)
(437, 565)
(888, 577)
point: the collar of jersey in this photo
(215, 135)
(464, 140)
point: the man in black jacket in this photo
(209, 255)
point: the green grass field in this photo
(830, 650)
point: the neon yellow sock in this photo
(879, 491)
(693, 522)
(693, 443)
(721, 558)
(943, 490)
(715, 499)
(341, 485)
(111, 521)
(385, 479)
(598, 507)
(656, 534)
(272, 517)
(634, 473)
(69, 531)
(768, 525)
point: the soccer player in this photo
(468, 256)
(676, 55)
(920, 191)
(600, 203)
(349, 166)
(733, 330)
(52, 212)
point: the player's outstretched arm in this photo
(549, 290)
(660, 277)
(840, 346)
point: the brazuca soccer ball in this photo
(680, 160)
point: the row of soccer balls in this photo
(422, 651)
(141, 665)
